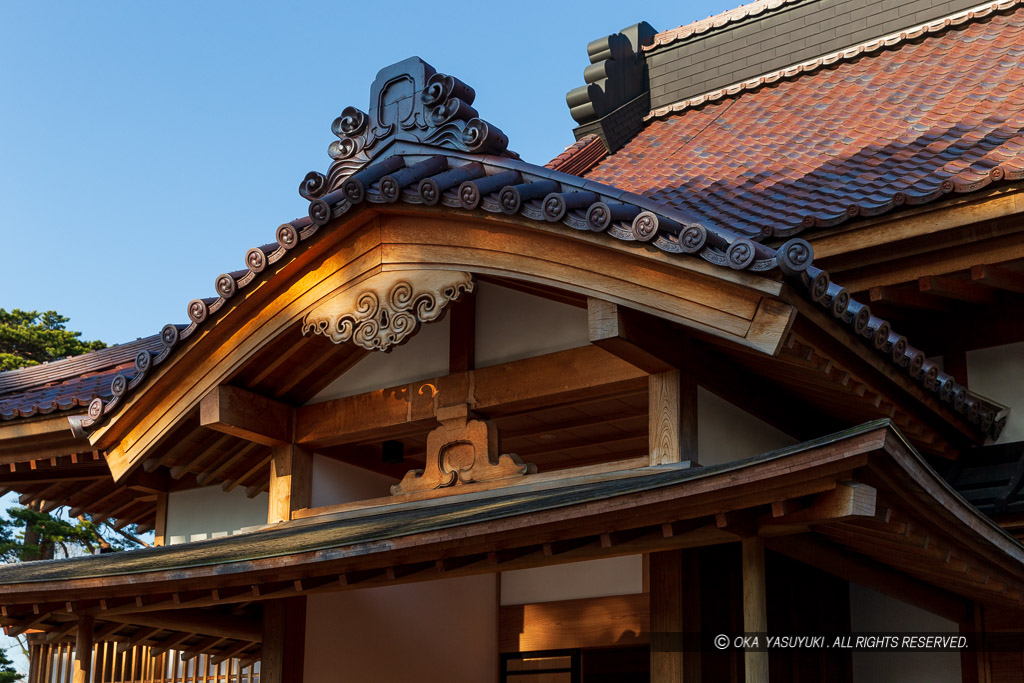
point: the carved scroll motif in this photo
(462, 450)
(387, 309)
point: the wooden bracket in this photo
(461, 450)
(250, 416)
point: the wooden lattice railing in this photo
(113, 663)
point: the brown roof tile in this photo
(69, 383)
(906, 124)
(580, 156)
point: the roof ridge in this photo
(715, 21)
(890, 41)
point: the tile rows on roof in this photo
(943, 112)
(716, 21)
(70, 383)
(66, 368)
(580, 156)
(74, 392)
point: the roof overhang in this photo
(898, 514)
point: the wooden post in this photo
(755, 611)
(82, 671)
(675, 613)
(160, 528)
(284, 640)
(666, 582)
(291, 482)
(672, 414)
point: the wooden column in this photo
(755, 612)
(160, 529)
(284, 640)
(675, 612)
(82, 665)
(291, 482)
(672, 414)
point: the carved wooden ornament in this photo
(385, 310)
(461, 451)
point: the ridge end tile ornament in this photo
(463, 449)
(411, 101)
(386, 309)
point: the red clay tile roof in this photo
(69, 383)
(905, 125)
(580, 156)
(716, 21)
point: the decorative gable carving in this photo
(385, 310)
(462, 450)
(408, 101)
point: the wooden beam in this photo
(848, 500)
(82, 666)
(199, 621)
(645, 341)
(583, 622)
(755, 612)
(291, 482)
(526, 384)
(951, 288)
(1000, 278)
(250, 416)
(672, 418)
(284, 640)
(861, 570)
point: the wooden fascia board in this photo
(841, 344)
(790, 473)
(24, 440)
(362, 245)
(908, 224)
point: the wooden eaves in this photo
(861, 503)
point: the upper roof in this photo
(716, 21)
(926, 113)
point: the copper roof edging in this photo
(715, 22)
(893, 40)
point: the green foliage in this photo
(27, 534)
(8, 674)
(30, 337)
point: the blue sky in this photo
(145, 146)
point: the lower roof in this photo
(672, 500)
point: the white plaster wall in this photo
(337, 482)
(590, 579)
(511, 325)
(429, 632)
(996, 373)
(725, 433)
(873, 612)
(424, 356)
(210, 512)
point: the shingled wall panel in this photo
(780, 38)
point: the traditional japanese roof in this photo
(69, 383)
(577, 513)
(717, 21)
(434, 150)
(903, 120)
